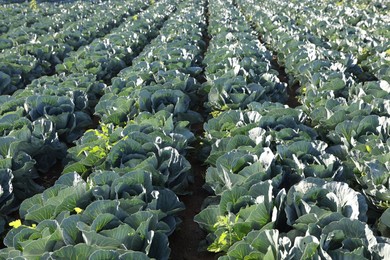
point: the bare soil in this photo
(291, 89)
(184, 242)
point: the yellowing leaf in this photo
(214, 114)
(222, 239)
(78, 210)
(105, 129)
(15, 224)
(34, 5)
(33, 226)
(225, 107)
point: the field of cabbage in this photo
(195, 129)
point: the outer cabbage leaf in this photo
(240, 210)
(313, 195)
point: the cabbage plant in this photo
(238, 211)
(109, 215)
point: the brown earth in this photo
(184, 242)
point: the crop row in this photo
(316, 68)
(371, 16)
(26, 62)
(239, 160)
(317, 26)
(33, 119)
(47, 21)
(352, 118)
(20, 15)
(282, 190)
(21, 3)
(238, 68)
(290, 186)
(126, 205)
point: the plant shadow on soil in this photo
(186, 239)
